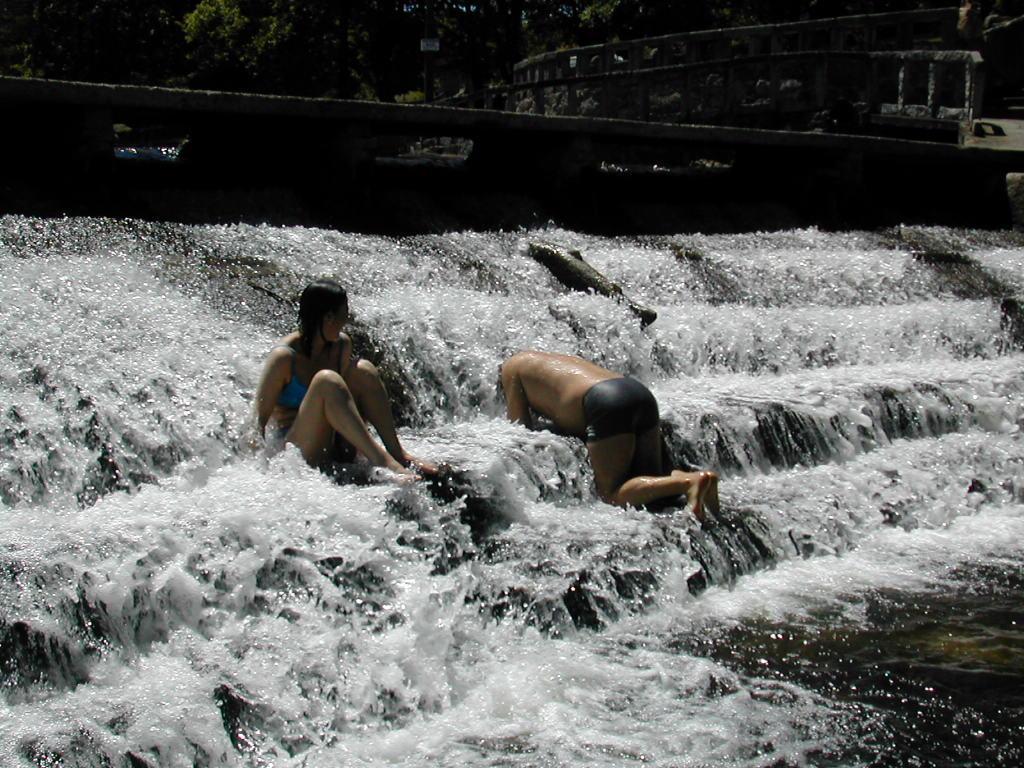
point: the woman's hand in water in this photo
(421, 467)
(253, 441)
(399, 476)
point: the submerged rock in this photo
(1012, 321)
(1015, 193)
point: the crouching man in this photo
(617, 417)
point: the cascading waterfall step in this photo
(733, 424)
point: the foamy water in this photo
(168, 599)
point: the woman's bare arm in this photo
(345, 356)
(274, 378)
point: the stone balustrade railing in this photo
(923, 91)
(910, 30)
(892, 69)
(937, 88)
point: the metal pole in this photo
(429, 33)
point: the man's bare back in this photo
(551, 384)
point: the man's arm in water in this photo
(516, 404)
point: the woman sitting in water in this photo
(312, 388)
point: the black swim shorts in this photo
(617, 407)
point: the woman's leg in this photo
(329, 407)
(373, 402)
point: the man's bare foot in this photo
(709, 494)
(701, 492)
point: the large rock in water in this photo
(574, 273)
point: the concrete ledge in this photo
(332, 157)
(424, 120)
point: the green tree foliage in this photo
(117, 41)
(276, 46)
(15, 26)
(384, 37)
(482, 40)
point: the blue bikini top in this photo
(291, 396)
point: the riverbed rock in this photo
(32, 656)
(1011, 310)
(1015, 193)
(721, 287)
(570, 269)
(962, 275)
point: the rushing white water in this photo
(168, 599)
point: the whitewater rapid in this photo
(169, 599)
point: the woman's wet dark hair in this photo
(318, 299)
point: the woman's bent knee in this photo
(364, 366)
(366, 376)
(329, 383)
(364, 379)
(326, 377)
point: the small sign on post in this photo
(430, 45)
